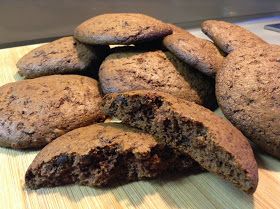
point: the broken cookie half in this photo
(210, 140)
(103, 155)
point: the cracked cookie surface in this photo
(36, 111)
(248, 93)
(121, 28)
(229, 37)
(63, 56)
(155, 70)
(200, 53)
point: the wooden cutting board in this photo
(191, 191)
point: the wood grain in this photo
(191, 191)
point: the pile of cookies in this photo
(162, 83)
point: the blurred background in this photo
(31, 21)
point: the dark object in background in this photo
(273, 27)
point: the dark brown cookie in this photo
(228, 36)
(36, 111)
(201, 54)
(156, 70)
(121, 28)
(210, 140)
(102, 155)
(248, 92)
(63, 56)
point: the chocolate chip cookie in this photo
(34, 112)
(248, 93)
(121, 28)
(155, 70)
(63, 56)
(229, 37)
(103, 155)
(210, 140)
(201, 54)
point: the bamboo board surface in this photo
(193, 191)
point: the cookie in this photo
(248, 93)
(201, 54)
(121, 28)
(110, 153)
(228, 36)
(155, 70)
(36, 111)
(63, 56)
(210, 140)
